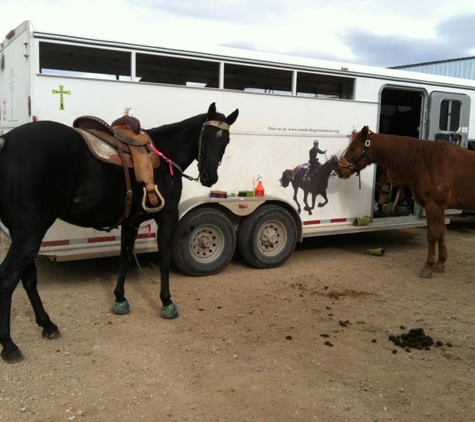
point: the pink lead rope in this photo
(156, 151)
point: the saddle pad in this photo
(302, 169)
(104, 151)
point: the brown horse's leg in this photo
(435, 228)
(439, 266)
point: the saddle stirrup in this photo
(152, 209)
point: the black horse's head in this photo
(286, 178)
(355, 158)
(213, 141)
(333, 162)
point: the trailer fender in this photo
(239, 206)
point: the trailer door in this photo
(449, 114)
(15, 79)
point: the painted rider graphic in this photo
(313, 160)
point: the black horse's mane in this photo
(183, 125)
(183, 131)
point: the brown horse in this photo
(439, 174)
(316, 185)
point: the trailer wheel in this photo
(204, 242)
(267, 238)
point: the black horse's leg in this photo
(128, 235)
(314, 198)
(296, 188)
(16, 265)
(166, 231)
(8, 282)
(30, 282)
(305, 196)
(322, 204)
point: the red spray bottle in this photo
(259, 190)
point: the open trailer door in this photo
(449, 117)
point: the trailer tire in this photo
(267, 237)
(204, 242)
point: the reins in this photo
(215, 123)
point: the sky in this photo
(371, 32)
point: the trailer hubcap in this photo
(207, 243)
(269, 237)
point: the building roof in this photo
(459, 68)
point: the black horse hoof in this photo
(51, 333)
(13, 357)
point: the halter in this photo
(352, 166)
(215, 123)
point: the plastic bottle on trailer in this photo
(259, 190)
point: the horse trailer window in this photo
(177, 71)
(326, 86)
(449, 118)
(257, 79)
(76, 60)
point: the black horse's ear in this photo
(212, 111)
(232, 117)
(365, 131)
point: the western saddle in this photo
(125, 144)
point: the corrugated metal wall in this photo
(458, 68)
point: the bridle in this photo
(343, 162)
(215, 123)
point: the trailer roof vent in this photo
(10, 34)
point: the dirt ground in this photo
(307, 341)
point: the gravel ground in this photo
(307, 341)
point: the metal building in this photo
(458, 68)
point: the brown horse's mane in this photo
(403, 155)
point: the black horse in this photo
(315, 185)
(47, 172)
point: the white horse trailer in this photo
(285, 104)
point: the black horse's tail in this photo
(2, 142)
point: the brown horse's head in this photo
(355, 158)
